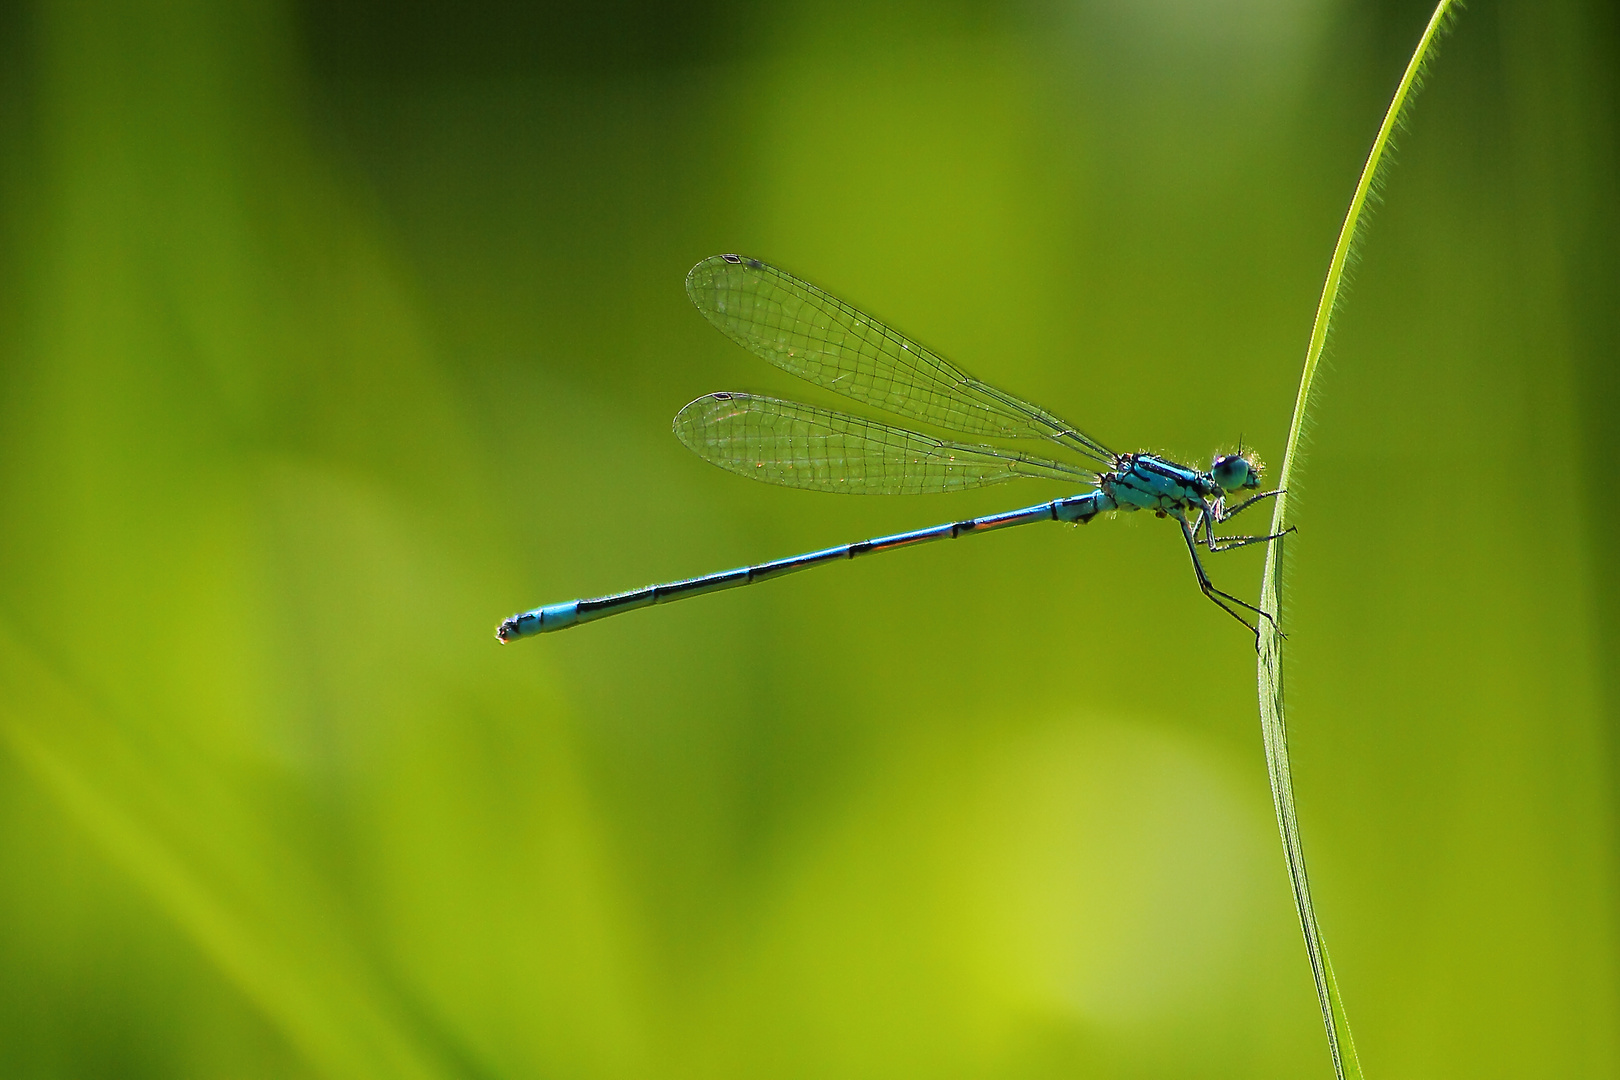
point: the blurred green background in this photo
(330, 335)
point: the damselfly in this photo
(823, 340)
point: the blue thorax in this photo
(1149, 482)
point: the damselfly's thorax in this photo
(1150, 482)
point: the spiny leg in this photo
(1208, 589)
(1227, 543)
(1206, 521)
(1210, 516)
(1246, 503)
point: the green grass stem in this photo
(1273, 726)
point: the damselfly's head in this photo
(1236, 472)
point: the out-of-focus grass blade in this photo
(282, 953)
(1273, 726)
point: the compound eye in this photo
(1232, 472)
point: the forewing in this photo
(818, 337)
(800, 446)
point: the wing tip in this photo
(700, 279)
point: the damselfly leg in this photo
(1220, 598)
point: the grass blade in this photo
(1273, 726)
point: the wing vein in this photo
(801, 446)
(803, 330)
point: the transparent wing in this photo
(818, 337)
(800, 446)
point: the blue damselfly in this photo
(823, 340)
